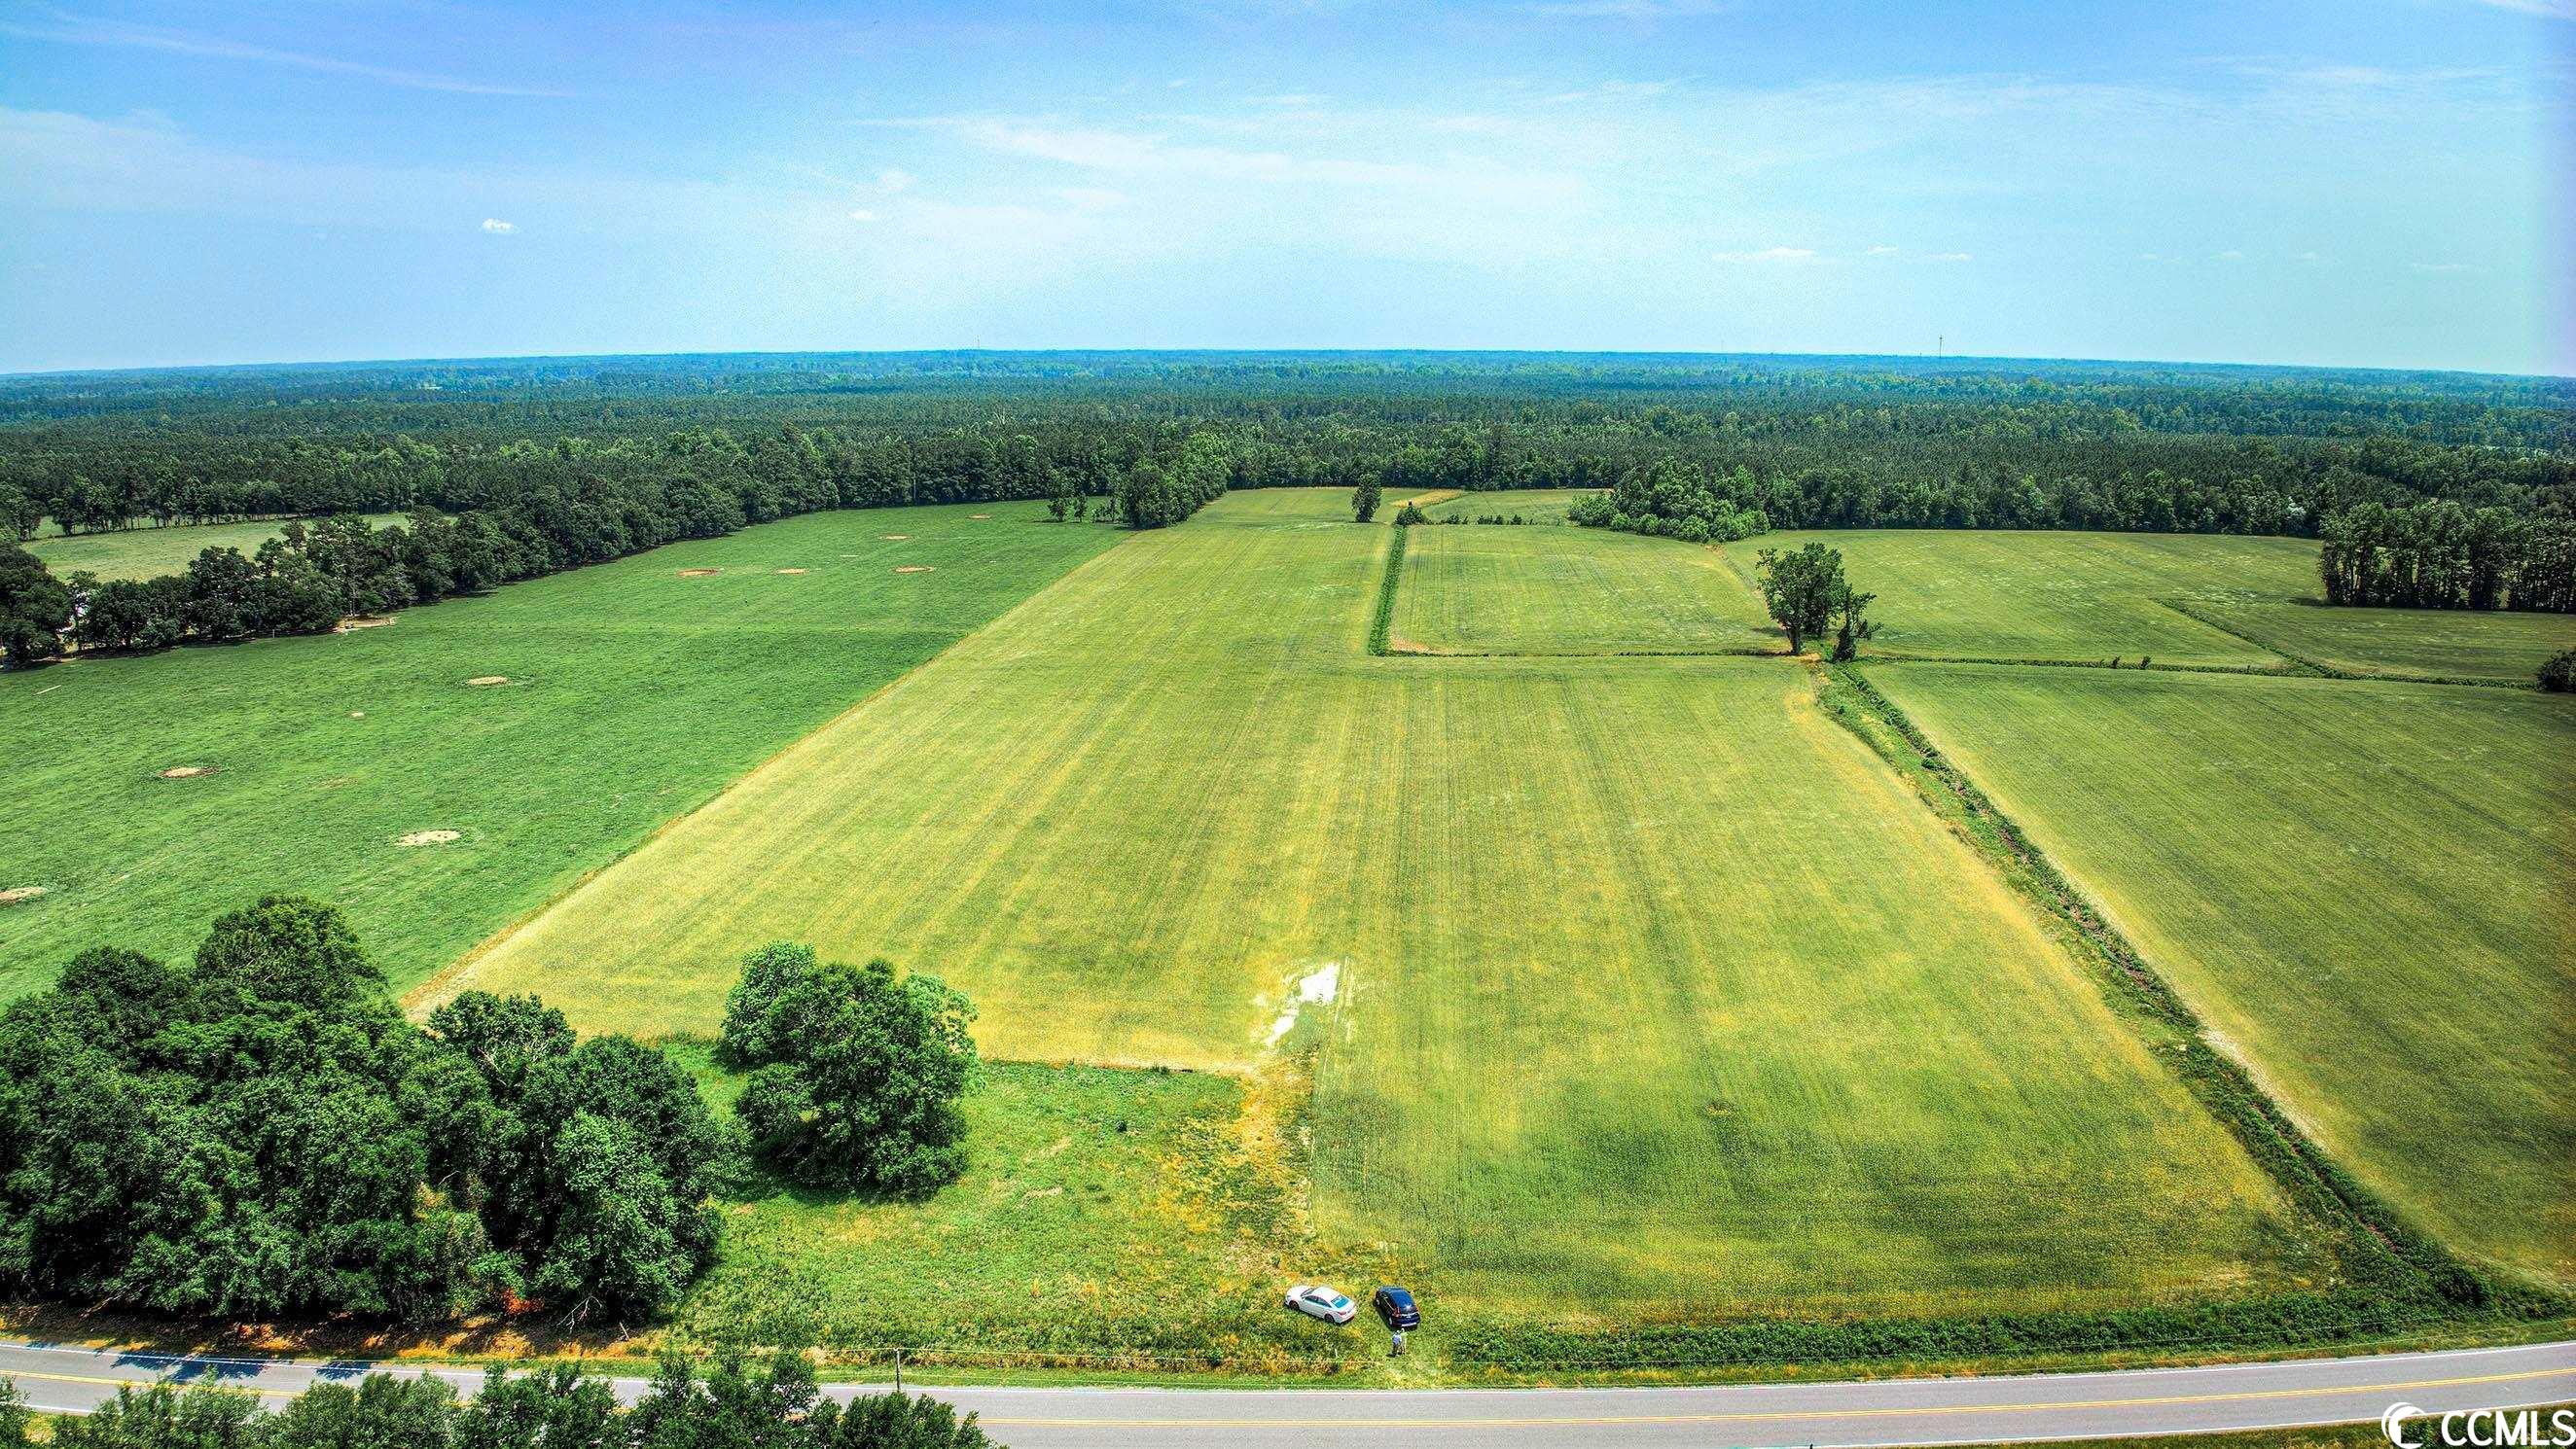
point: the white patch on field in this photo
(1316, 988)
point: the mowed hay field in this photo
(2430, 643)
(144, 553)
(2071, 596)
(1531, 505)
(633, 691)
(2369, 890)
(1496, 589)
(1624, 982)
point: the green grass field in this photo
(1505, 590)
(2364, 888)
(1533, 505)
(2073, 596)
(634, 693)
(143, 553)
(1618, 973)
(2435, 643)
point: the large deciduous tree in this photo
(857, 1072)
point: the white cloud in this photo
(2230, 255)
(895, 179)
(1954, 256)
(70, 29)
(2439, 266)
(1882, 251)
(497, 227)
(862, 214)
(2551, 9)
(2307, 257)
(1767, 254)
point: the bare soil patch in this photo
(361, 621)
(894, 537)
(791, 571)
(429, 837)
(14, 894)
(699, 573)
(186, 772)
(485, 681)
(912, 568)
(979, 515)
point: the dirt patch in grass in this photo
(791, 571)
(186, 772)
(912, 568)
(486, 681)
(894, 537)
(361, 621)
(979, 515)
(14, 894)
(429, 837)
(699, 573)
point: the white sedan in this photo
(1321, 1302)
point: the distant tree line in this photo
(774, 1403)
(509, 470)
(2439, 555)
(260, 1132)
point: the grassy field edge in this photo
(2379, 1234)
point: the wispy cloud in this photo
(1767, 254)
(70, 29)
(1625, 9)
(2439, 266)
(2553, 9)
(497, 227)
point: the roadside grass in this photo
(2056, 596)
(2363, 889)
(143, 553)
(1571, 591)
(1635, 988)
(2438, 643)
(1110, 1219)
(1534, 505)
(633, 694)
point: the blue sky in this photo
(2370, 182)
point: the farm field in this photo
(2047, 595)
(633, 692)
(144, 553)
(1533, 505)
(1482, 589)
(1680, 1002)
(2364, 888)
(2438, 643)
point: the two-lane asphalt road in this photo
(1884, 1412)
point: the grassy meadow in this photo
(144, 553)
(2364, 889)
(1617, 976)
(1504, 590)
(634, 691)
(1533, 505)
(2045, 595)
(2434, 643)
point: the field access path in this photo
(2122, 1403)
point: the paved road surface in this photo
(1887, 1412)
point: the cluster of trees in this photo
(259, 1131)
(855, 1074)
(1807, 594)
(736, 1404)
(2439, 555)
(1156, 493)
(1677, 500)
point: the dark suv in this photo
(1395, 1305)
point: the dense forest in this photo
(517, 468)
